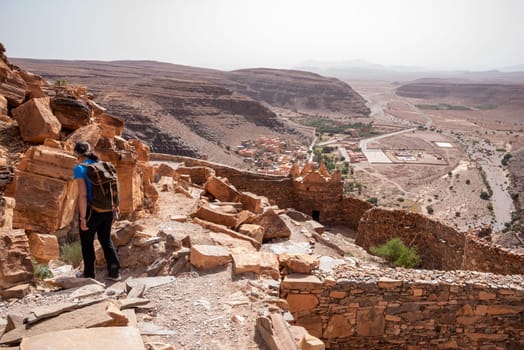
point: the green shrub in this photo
(42, 271)
(71, 253)
(397, 252)
(373, 200)
(430, 209)
(484, 195)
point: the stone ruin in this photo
(473, 296)
(470, 294)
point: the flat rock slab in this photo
(86, 339)
(150, 282)
(71, 282)
(327, 263)
(288, 247)
(86, 317)
(87, 291)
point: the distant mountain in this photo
(363, 70)
(517, 68)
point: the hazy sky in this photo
(228, 34)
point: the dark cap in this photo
(82, 148)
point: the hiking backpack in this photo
(104, 186)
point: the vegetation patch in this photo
(395, 251)
(41, 271)
(329, 126)
(486, 106)
(443, 107)
(71, 253)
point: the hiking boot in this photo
(114, 277)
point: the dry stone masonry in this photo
(405, 309)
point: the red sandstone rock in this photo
(15, 258)
(209, 256)
(12, 86)
(71, 112)
(274, 226)
(209, 214)
(44, 247)
(221, 190)
(36, 120)
(111, 126)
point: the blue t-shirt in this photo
(80, 172)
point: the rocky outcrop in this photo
(12, 85)
(15, 259)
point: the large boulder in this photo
(44, 247)
(221, 190)
(45, 191)
(274, 226)
(90, 133)
(15, 258)
(36, 120)
(72, 113)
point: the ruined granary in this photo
(469, 294)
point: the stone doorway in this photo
(315, 214)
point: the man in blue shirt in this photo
(93, 221)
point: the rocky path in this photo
(212, 309)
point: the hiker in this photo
(93, 220)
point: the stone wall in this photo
(277, 188)
(402, 309)
(440, 247)
(480, 255)
(352, 210)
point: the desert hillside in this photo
(196, 112)
(474, 95)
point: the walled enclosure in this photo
(440, 246)
(409, 309)
(367, 308)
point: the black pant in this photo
(99, 223)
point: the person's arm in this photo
(82, 203)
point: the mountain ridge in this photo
(201, 112)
